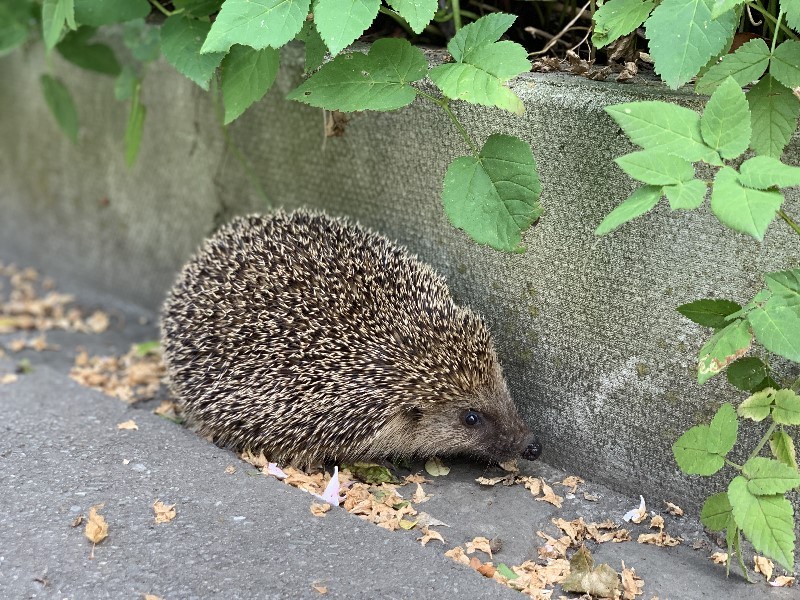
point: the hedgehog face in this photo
(480, 427)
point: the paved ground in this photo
(243, 535)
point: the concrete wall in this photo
(595, 354)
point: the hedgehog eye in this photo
(471, 418)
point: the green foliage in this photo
(617, 18)
(684, 37)
(246, 75)
(56, 14)
(687, 38)
(60, 102)
(105, 12)
(673, 136)
(483, 65)
(494, 196)
(380, 80)
(14, 18)
(417, 13)
(181, 39)
(340, 22)
(256, 24)
(100, 58)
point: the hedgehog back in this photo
(300, 335)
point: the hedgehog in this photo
(315, 340)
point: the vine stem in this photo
(777, 29)
(444, 103)
(161, 8)
(456, 6)
(789, 221)
(733, 464)
(764, 13)
(764, 440)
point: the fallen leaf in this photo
(657, 522)
(428, 535)
(318, 509)
(151, 597)
(584, 578)
(764, 566)
(436, 467)
(97, 322)
(782, 581)
(721, 558)
(77, 521)
(590, 497)
(510, 465)
(662, 538)
(96, 527)
(407, 525)
(417, 478)
(632, 585)
(457, 554)
(230, 470)
(319, 588)
(674, 509)
(164, 512)
(420, 496)
(572, 482)
(479, 543)
(8, 378)
(548, 495)
(131, 424)
(487, 570)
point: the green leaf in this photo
(341, 22)
(725, 124)
(763, 172)
(692, 455)
(14, 18)
(747, 64)
(144, 41)
(181, 39)
(503, 569)
(683, 38)
(774, 110)
(783, 283)
(134, 129)
(776, 324)
(417, 13)
(791, 9)
(766, 476)
(59, 100)
(723, 430)
(787, 408)
(126, 83)
(617, 18)
(709, 312)
(315, 47)
(656, 168)
(743, 209)
(721, 6)
(93, 57)
(724, 347)
(782, 446)
(379, 80)
(55, 14)
(483, 65)
(758, 406)
(642, 200)
(666, 127)
(747, 373)
(717, 513)
(485, 31)
(247, 74)
(686, 195)
(198, 8)
(767, 521)
(495, 196)
(143, 349)
(256, 23)
(785, 63)
(105, 12)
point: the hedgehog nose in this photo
(532, 450)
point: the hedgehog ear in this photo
(414, 413)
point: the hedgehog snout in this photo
(532, 449)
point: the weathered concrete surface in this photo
(594, 351)
(243, 535)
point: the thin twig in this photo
(561, 33)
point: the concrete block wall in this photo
(595, 354)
